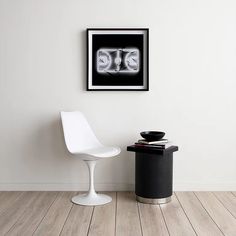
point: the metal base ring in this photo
(153, 200)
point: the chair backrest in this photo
(77, 132)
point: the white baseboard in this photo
(65, 187)
(187, 186)
(196, 186)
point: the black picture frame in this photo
(117, 59)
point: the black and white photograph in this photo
(117, 59)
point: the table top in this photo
(134, 148)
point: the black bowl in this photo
(152, 135)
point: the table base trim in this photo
(153, 200)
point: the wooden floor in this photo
(52, 213)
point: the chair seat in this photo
(102, 152)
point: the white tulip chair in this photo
(82, 142)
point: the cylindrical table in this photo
(153, 174)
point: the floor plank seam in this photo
(17, 219)
(233, 194)
(56, 197)
(208, 213)
(66, 219)
(223, 204)
(13, 202)
(90, 221)
(15, 222)
(115, 214)
(185, 213)
(140, 221)
(164, 220)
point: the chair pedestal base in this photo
(91, 199)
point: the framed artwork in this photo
(117, 59)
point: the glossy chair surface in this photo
(82, 142)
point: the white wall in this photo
(192, 91)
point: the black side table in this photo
(153, 174)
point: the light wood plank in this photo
(218, 212)
(56, 216)
(7, 199)
(228, 200)
(127, 216)
(176, 220)
(199, 218)
(152, 220)
(10, 216)
(32, 216)
(78, 221)
(103, 220)
(209, 214)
